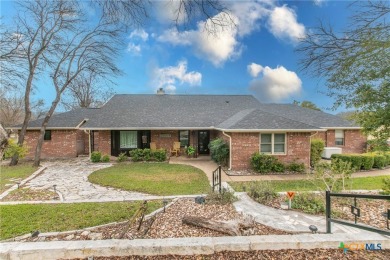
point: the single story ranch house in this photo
(130, 121)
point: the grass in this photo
(364, 183)
(153, 178)
(21, 219)
(7, 173)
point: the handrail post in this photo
(328, 213)
(220, 180)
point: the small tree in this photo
(316, 149)
(331, 174)
(219, 151)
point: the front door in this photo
(203, 141)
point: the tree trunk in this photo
(3, 140)
(233, 228)
(38, 149)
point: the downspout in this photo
(88, 132)
(230, 149)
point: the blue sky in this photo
(254, 57)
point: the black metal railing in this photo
(217, 182)
(355, 210)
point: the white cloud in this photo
(283, 24)
(139, 34)
(318, 2)
(169, 77)
(174, 37)
(276, 84)
(168, 12)
(254, 69)
(134, 49)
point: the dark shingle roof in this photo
(226, 112)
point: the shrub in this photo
(386, 186)
(309, 203)
(13, 148)
(262, 191)
(316, 149)
(219, 150)
(262, 163)
(387, 155)
(278, 167)
(223, 198)
(96, 156)
(122, 157)
(147, 154)
(378, 145)
(354, 159)
(190, 150)
(296, 167)
(367, 162)
(379, 161)
(160, 155)
(105, 158)
(137, 155)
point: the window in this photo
(339, 137)
(273, 143)
(128, 139)
(47, 136)
(184, 138)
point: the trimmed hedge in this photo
(264, 163)
(138, 155)
(365, 161)
(316, 149)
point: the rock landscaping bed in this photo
(27, 194)
(372, 211)
(166, 224)
(320, 254)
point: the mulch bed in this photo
(250, 172)
(166, 224)
(27, 194)
(285, 254)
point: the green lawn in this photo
(18, 220)
(19, 171)
(364, 183)
(153, 178)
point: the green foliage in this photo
(354, 159)
(96, 156)
(307, 104)
(13, 148)
(261, 191)
(316, 149)
(219, 150)
(147, 153)
(160, 155)
(105, 158)
(386, 186)
(379, 161)
(190, 150)
(378, 145)
(122, 157)
(367, 162)
(278, 167)
(333, 176)
(262, 163)
(296, 167)
(309, 203)
(223, 198)
(137, 155)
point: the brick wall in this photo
(63, 144)
(164, 139)
(245, 144)
(103, 142)
(354, 140)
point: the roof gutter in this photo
(230, 149)
(271, 130)
(343, 128)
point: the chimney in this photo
(160, 91)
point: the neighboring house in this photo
(127, 122)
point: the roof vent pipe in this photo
(160, 91)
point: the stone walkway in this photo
(71, 180)
(287, 220)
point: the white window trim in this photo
(343, 138)
(273, 144)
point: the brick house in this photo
(128, 121)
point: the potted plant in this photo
(190, 151)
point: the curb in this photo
(32, 176)
(180, 246)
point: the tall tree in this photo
(307, 104)
(86, 91)
(355, 64)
